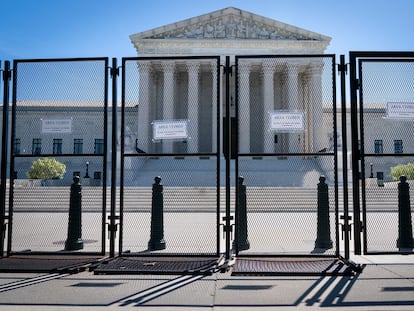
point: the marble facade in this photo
(266, 85)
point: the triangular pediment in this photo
(231, 24)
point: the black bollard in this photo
(241, 218)
(323, 239)
(405, 229)
(156, 241)
(74, 240)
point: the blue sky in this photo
(98, 28)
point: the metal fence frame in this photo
(333, 154)
(125, 155)
(103, 156)
(357, 58)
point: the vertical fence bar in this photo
(227, 144)
(4, 145)
(346, 229)
(356, 153)
(112, 224)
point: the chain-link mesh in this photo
(387, 101)
(286, 114)
(170, 120)
(59, 112)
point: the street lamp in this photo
(87, 170)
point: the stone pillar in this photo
(168, 99)
(320, 139)
(144, 106)
(293, 104)
(244, 108)
(268, 104)
(193, 68)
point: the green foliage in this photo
(46, 168)
(402, 169)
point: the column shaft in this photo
(193, 105)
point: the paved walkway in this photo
(387, 283)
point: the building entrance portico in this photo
(293, 85)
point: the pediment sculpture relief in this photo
(231, 27)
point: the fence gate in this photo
(286, 165)
(59, 208)
(170, 166)
(382, 106)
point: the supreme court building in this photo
(184, 89)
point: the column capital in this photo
(244, 67)
(316, 68)
(268, 66)
(145, 66)
(193, 66)
(292, 68)
(168, 66)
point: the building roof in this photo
(224, 26)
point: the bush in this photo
(402, 169)
(46, 168)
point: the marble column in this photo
(168, 99)
(144, 105)
(244, 107)
(193, 68)
(292, 85)
(268, 67)
(320, 136)
(309, 111)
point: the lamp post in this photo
(87, 170)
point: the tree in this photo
(402, 169)
(46, 168)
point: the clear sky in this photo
(101, 28)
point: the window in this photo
(99, 146)
(398, 146)
(78, 146)
(378, 148)
(16, 146)
(37, 146)
(57, 146)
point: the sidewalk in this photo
(387, 283)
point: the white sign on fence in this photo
(400, 110)
(57, 126)
(170, 129)
(287, 121)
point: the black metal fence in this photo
(282, 194)
(56, 105)
(170, 156)
(382, 101)
(287, 155)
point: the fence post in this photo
(74, 240)
(405, 229)
(156, 241)
(241, 220)
(323, 239)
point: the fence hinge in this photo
(228, 70)
(343, 68)
(7, 75)
(227, 228)
(114, 71)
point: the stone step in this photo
(184, 199)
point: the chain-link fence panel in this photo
(59, 139)
(386, 127)
(170, 166)
(287, 155)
